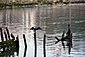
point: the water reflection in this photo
(53, 20)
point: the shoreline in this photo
(30, 5)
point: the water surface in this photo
(53, 20)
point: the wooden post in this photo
(25, 52)
(8, 33)
(5, 35)
(17, 44)
(17, 41)
(2, 38)
(25, 40)
(44, 48)
(25, 45)
(35, 43)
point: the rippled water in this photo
(53, 20)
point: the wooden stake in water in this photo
(8, 33)
(17, 41)
(2, 38)
(5, 35)
(25, 40)
(44, 48)
(17, 44)
(35, 42)
(25, 44)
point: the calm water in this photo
(53, 20)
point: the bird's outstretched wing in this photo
(57, 40)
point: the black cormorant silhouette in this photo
(67, 38)
(35, 28)
(62, 40)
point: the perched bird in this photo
(35, 28)
(62, 40)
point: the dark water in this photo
(53, 20)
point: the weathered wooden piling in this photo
(8, 33)
(5, 35)
(44, 45)
(25, 52)
(2, 38)
(25, 45)
(25, 40)
(35, 42)
(17, 44)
